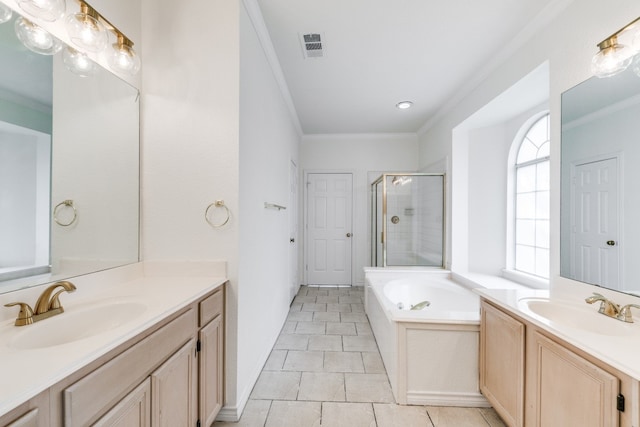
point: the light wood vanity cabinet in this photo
(535, 379)
(33, 413)
(502, 363)
(170, 376)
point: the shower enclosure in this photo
(407, 219)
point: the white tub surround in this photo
(431, 355)
(159, 290)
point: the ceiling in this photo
(380, 52)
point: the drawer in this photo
(211, 306)
(87, 399)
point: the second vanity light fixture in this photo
(88, 31)
(614, 57)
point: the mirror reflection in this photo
(69, 174)
(599, 204)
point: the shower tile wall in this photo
(430, 205)
(400, 236)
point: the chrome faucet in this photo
(625, 313)
(47, 305)
(607, 307)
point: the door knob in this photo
(348, 234)
(292, 240)
(611, 242)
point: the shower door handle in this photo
(348, 234)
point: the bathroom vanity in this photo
(545, 362)
(162, 366)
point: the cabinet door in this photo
(30, 419)
(211, 370)
(132, 411)
(572, 391)
(502, 363)
(173, 390)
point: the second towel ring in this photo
(217, 204)
(65, 203)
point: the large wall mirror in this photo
(69, 168)
(600, 204)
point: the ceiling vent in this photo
(312, 46)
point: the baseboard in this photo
(471, 400)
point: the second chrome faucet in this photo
(611, 309)
(47, 305)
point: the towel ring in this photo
(217, 204)
(62, 204)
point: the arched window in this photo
(532, 201)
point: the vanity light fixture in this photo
(614, 57)
(123, 58)
(78, 62)
(35, 38)
(47, 10)
(403, 105)
(85, 29)
(5, 13)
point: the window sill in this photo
(525, 279)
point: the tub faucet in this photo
(47, 305)
(607, 307)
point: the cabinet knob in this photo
(348, 234)
(611, 242)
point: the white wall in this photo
(488, 160)
(359, 154)
(215, 126)
(568, 43)
(190, 134)
(268, 143)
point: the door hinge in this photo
(198, 346)
(620, 403)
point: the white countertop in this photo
(620, 349)
(24, 373)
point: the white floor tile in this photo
(342, 361)
(294, 414)
(324, 387)
(277, 385)
(391, 415)
(347, 415)
(325, 342)
(368, 388)
(311, 361)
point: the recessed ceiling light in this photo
(403, 105)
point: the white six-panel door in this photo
(328, 228)
(595, 246)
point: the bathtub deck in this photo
(326, 369)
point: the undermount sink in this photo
(585, 318)
(76, 323)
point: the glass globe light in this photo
(47, 10)
(636, 65)
(123, 58)
(78, 62)
(5, 14)
(86, 31)
(612, 58)
(35, 38)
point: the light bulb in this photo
(35, 38)
(123, 58)
(78, 62)
(5, 14)
(47, 10)
(403, 105)
(612, 58)
(86, 32)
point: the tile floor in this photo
(325, 370)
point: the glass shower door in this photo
(408, 220)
